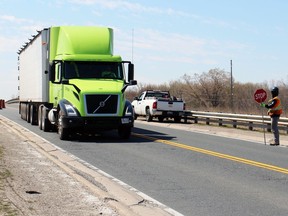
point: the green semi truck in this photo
(70, 81)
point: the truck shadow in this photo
(112, 137)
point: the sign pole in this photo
(263, 126)
(260, 95)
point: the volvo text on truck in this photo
(70, 81)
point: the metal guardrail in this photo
(221, 119)
(16, 100)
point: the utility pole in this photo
(231, 85)
(132, 45)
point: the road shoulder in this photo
(46, 180)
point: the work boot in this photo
(274, 143)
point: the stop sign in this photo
(260, 95)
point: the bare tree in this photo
(208, 89)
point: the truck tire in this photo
(64, 133)
(148, 115)
(124, 132)
(22, 111)
(33, 117)
(46, 125)
(40, 117)
(28, 113)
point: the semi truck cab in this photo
(82, 83)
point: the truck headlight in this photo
(129, 111)
(70, 110)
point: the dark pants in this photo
(274, 127)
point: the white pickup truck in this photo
(158, 104)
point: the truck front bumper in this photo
(99, 123)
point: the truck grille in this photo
(102, 104)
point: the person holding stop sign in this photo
(274, 111)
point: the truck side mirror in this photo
(130, 72)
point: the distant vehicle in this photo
(158, 104)
(70, 81)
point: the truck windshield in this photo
(94, 70)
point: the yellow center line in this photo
(216, 154)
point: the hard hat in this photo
(275, 91)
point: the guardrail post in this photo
(196, 120)
(207, 121)
(220, 122)
(234, 124)
(269, 127)
(250, 125)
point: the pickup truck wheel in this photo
(64, 133)
(124, 132)
(135, 116)
(148, 115)
(177, 119)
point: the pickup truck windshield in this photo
(158, 94)
(94, 70)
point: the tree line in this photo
(215, 91)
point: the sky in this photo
(165, 39)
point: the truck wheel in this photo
(23, 111)
(28, 113)
(124, 132)
(33, 117)
(64, 133)
(40, 117)
(148, 115)
(46, 125)
(160, 118)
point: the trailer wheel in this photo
(148, 115)
(124, 132)
(28, 113)
(64, 133)
(23, 111)
(33, 117)
(40, 117)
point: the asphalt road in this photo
(193, 173)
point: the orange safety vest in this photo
(277, 109)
